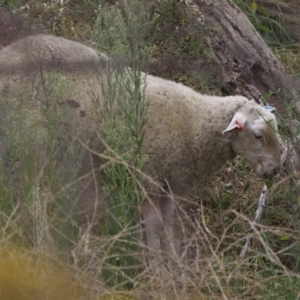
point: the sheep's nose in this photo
(271, 173)
(276, 170)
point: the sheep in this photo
(188, 136)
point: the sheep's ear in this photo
(238, 122)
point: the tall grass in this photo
(39, 190)
(123, 119)
(273, 30)
(34, 147)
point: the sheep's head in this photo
(256, 140)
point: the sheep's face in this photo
(256, 140)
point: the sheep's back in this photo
(45, 52)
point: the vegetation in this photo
(40, 219)
(123, 118)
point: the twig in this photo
(258, 213)
(262, 202)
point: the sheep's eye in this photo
(258, 136)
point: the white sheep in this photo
(188, 136)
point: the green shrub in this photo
(123, 118)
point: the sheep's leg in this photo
(167, 208)
(153, 224)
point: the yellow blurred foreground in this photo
(30, 275)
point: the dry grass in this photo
(211, 229)
(51, 254)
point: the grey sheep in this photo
(188, 136)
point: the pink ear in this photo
(239, 125)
